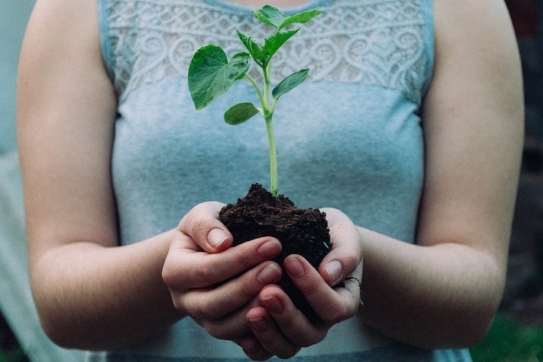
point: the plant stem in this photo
(255, 86)
(266, 75)
(268, 115)
(273, 157)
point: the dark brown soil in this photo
(300, 231)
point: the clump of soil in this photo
(300, 231)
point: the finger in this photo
(233, 326)
(293, 324)
(269, 335)
(346, 254)
(253, 349)
(203, 226)
(331, 305)
(215, 303)
(188, 269)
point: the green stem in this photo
(268, 115)
(266, 74)
(255, 86)
(273, 157)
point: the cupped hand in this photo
(279, 328)
(212, 282)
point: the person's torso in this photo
(349, 137)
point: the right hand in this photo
(333, 291)
(210, 281)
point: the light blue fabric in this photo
(349, 137)
(381, 354)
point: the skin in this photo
(276, 3)
(114, 296)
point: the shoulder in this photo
(62, 42)
(469, 10)
(476, 45)
(473, 23)
(66, 10)
(59, 23)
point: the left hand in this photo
(278, 327)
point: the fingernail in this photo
(333, 269)
(269, 249)
(269, 274)
(259, 324)
(294, 267)
(272, 304)
(216, 237)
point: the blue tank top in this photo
(349, 137)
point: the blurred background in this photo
(517, 333)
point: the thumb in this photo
(202, 225)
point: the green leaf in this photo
(301, 18)
(272, 16)
(254, 49)
(289, 83)
(274, 42)
(240, 113)
(262, 55)
(211, 75)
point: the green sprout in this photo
(211, 75)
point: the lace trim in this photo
(377, 42)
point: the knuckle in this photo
(186, 220)
(246, 292)
(249, 284)
(169, 277)
(208, 275)
(173, 272)
(198, 226)
(194, 221)
(244, 256)
(177, 303)
(204, 311)
(351, 261)
(290, 323)
(203, 275)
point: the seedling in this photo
(211, 75)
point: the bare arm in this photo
(91, 293)
(66, 111)
(445, 290)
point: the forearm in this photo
(93, 297)
(436, 296)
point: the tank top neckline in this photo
(311, 4)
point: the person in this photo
(408, 133)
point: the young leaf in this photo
(272, 16)
(239, 113)
(254, 49)
(289, 83)
(274, 42)
(210, 73)
(301, 18)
